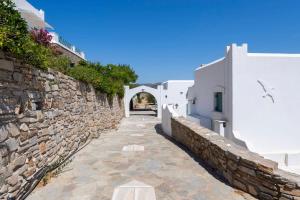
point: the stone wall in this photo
(45, 116)
(241, 168)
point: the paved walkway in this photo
(143, 112)
(102, 166)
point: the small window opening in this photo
(218, 102)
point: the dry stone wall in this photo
(241, 168)
(44, 116)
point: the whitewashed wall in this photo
(167, 113)
(174, 92)
(266, 127)
(267, 120)
(130, 93)
(35, 18)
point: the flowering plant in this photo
(41, 36)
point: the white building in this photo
(67, 48)
(172, 92)
(252, 99)
(36, 20)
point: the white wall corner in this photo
(227, 49)
(245, 47)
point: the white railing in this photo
(56, 39)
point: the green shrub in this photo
(13, 29)
(60, 63)
(109, 79)
(86, 74)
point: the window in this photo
(218, 102)
(165, 86)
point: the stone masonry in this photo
(44, 116)
(241, 168)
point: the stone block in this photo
(6, 171)
(12, 144)
(4, 161)
(21, 170)
(293, 192)
(17, 76)
(43, 148)
(28, 120)
(267, 190)
(265, 196)
(247, 170)
(47, 86)
(13, 130)
(54, 87)
(6, 65)
(287, 197)
(50, 77)
(232, 165)
(19, 162)
(39, 115)
(24, 127)
(252, 190)
(232, 156)
(33, 95)
(239, 185)
(4, 189)
(13, 189)
(33, 140)
(13, 180)
(23, 138)
(3, 151)
(3, 133)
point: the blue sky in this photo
(168, 39)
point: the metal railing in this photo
(61, 41)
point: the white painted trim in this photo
(211, 63)
(274, 55)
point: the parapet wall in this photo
(45, 116)
(241, 168)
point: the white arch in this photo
(129, 93)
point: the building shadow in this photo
(202, 163)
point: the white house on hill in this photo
(252, 99)
(35, 19)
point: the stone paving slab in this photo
(102, 166)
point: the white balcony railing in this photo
(57, 39)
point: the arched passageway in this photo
(131, 95)
(143, 103)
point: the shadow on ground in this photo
(202, 163)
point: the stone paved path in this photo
(103, 166)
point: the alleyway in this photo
(102, 166)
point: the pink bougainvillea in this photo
(41, 36)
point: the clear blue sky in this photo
(168, 39)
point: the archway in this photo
(130, 93)
(143, 103)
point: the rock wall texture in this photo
(241, 168)
(45, 116)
